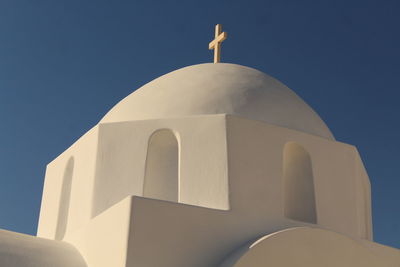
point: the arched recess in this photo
(161, 179)
(65, 198)
(298, 184)
(366, 187)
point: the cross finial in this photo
(216, 43)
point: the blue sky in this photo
(64, 64)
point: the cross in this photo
(216, 43)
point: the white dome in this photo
(219, 89)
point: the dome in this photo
(219, 89)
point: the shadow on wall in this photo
(298, 184)
(65, 200)
(161, 179)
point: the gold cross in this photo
(216, 43)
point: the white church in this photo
(211, 165)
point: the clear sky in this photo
(64, 64)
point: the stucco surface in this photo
(197, 163)
(230, 190)
(19, 250)
(219, 89)
(306, 246)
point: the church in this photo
(211, 165)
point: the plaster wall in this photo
(202, 160)
(151, 233)
(255, 153)
(214, 215)
(103, 241)
(83, 152)
(28, 251)
(205, 236)
(219, 89)
(311, 247)
(363, 196)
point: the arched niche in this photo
(161, 179)
(65, 198)
(298, 184)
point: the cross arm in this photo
(219, 39)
